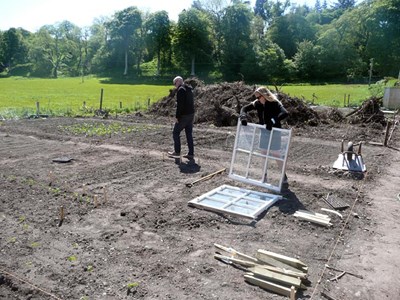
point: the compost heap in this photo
(220, 104)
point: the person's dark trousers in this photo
(185, 122)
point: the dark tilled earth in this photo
(128, 232)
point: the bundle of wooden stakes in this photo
(271, 271)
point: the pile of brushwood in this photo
(220, 104)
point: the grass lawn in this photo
(333, 94)
(63, 95)
(77, 96)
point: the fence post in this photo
(387, 133)
(348, 100)
(37, 109)
(120, 104)
(101, 99)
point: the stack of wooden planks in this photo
(271, 271)
(317, 218)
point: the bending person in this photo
(270, 112)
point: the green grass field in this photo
(77, 96)
(65, 96)
(336, 95)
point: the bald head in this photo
(178, 80)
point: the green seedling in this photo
(72, 258)
(35, 244)
(30, 181)
(21, 219)
(12, 240)
(12, 178)
(25, 226)
(89, 268)
(29, 264)
(54, 191)
(132, 285)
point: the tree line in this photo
(274, 41)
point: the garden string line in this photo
(33, 286)
(360, 188)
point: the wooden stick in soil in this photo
(205, 177)
(61, 216)
(105, 194)
(338, 270)
(387, 133)
(327, 296)
(338, 276)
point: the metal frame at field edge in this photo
(273, 162)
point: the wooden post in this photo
(387, 133)
(120, 105)
(105, 194)
(101, 99)
(61, 216)
(37, 109)
(348, 100)
(344, 101)
(148, 103)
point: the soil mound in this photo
(220, 104)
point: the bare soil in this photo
(127, 231)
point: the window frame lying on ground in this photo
(235, 201)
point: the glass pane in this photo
(240, 163)
(211, 202)
(221, 197)
(234, 193)
(249, 202)
(239, 209)
(245, 138)
(259, 196)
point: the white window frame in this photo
(268, 155)
(235, 201)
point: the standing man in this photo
(184, 118)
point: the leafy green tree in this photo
(338, 53)
(99, 54)
(381, 24)
(215, 11)
(237, 44)
(289, 30)
(259, 9)
(56, 48)
(13, 49)
(158, 35)
(344, 4)
(271, 61)
(306, 61)
(124, 30)
(192, 42)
